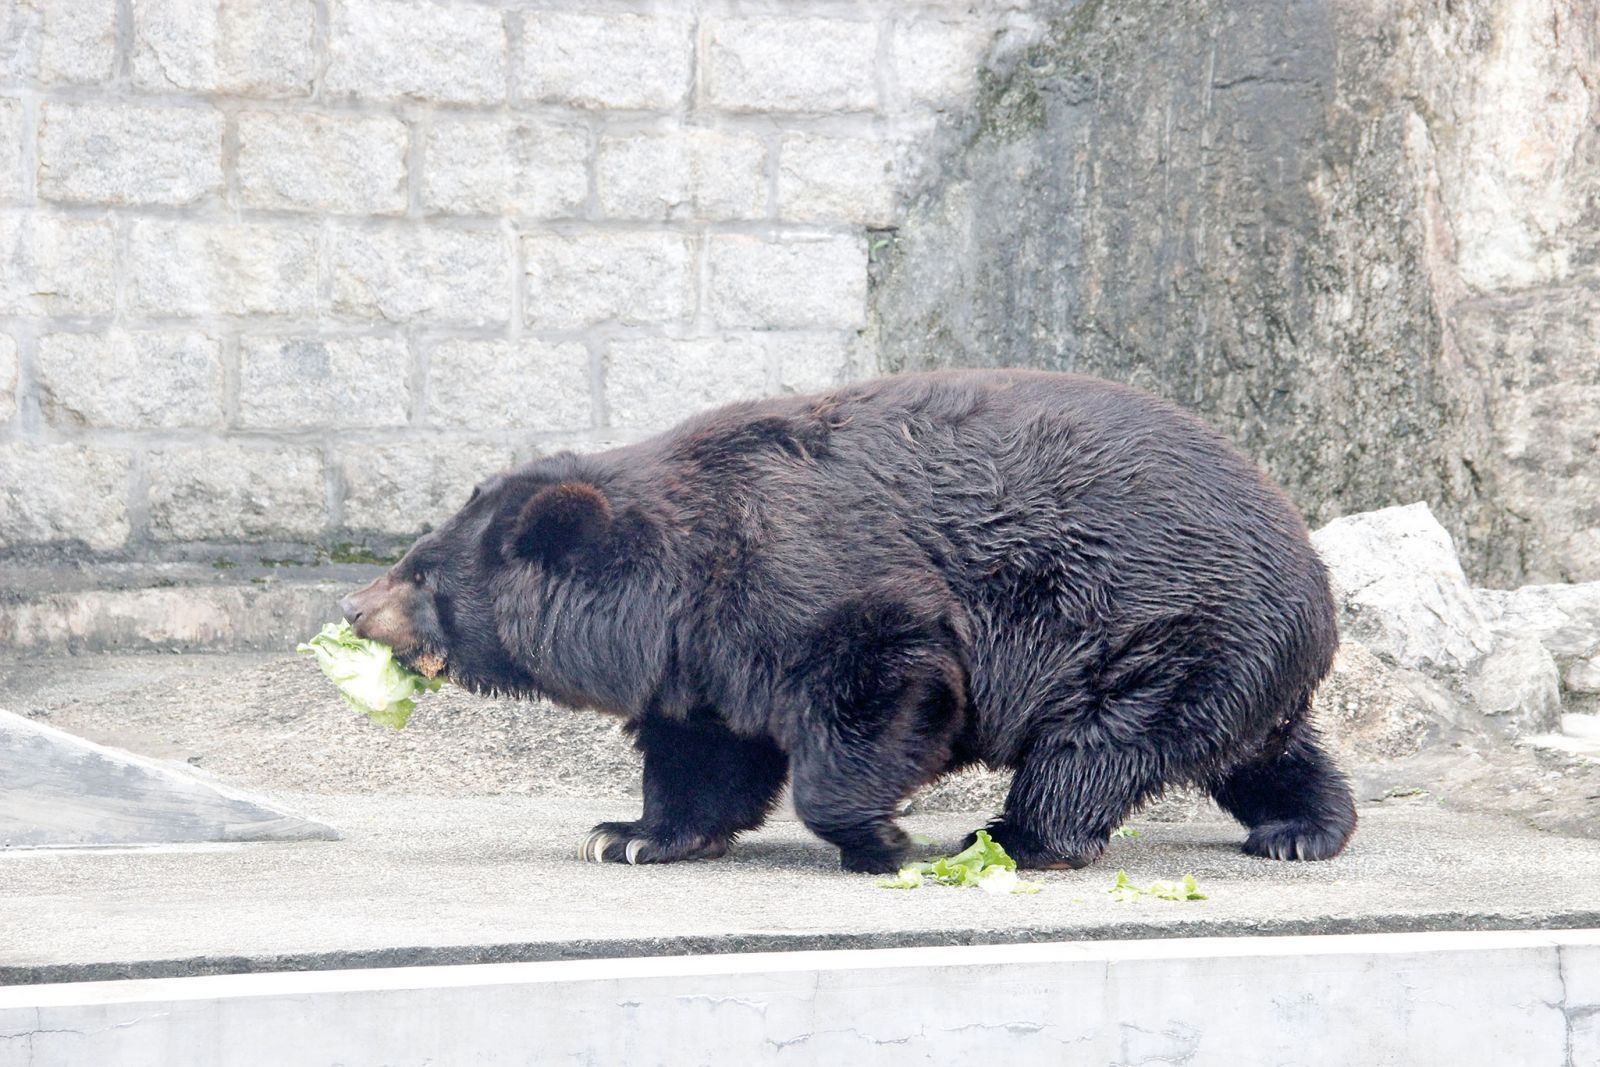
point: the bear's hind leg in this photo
(850, 776)
(703, 785)
(1066, 799)
(885, 698)
(1296, 803)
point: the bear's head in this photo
(539, 586)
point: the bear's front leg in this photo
(702, 785)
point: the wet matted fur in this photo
(862, 590)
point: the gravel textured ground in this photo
(272, 723)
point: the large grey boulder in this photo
(1558, 625)
(58, 789)
(1401, 591)
(1583, 676)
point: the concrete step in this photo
(60, 790)
(1457, 999)
(169, 606)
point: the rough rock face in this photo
(1362, 238)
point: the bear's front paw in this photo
(881, 851)
(633, 842)
(869, 861)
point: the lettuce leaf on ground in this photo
(369, 678)
(1125, 890)
(982, 864)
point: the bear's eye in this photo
(418, 577)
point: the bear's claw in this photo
(593, 849)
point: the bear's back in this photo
(1020, 486)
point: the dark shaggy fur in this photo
(863, 590)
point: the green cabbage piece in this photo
(908, 878)
(369, 678)
(982, 864)
(1125, 890)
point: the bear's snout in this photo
(359, 604)
(351, 610)
(379, 612)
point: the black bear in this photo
(862, 590)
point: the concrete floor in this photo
(481, 879)
(460, 837)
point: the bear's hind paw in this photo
(1295, 841)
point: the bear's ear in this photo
(557, 521)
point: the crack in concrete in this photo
(853, 1032)
(37, 1029)
(1566, 1013)
(759, 1007)
(1014, 1027)
(1011, 1027)
(1572, 1014)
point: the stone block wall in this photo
(296, 272)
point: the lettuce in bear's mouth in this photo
(369, 676)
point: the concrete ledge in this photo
(1463, 999)
(170, 607)
(57, 790)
